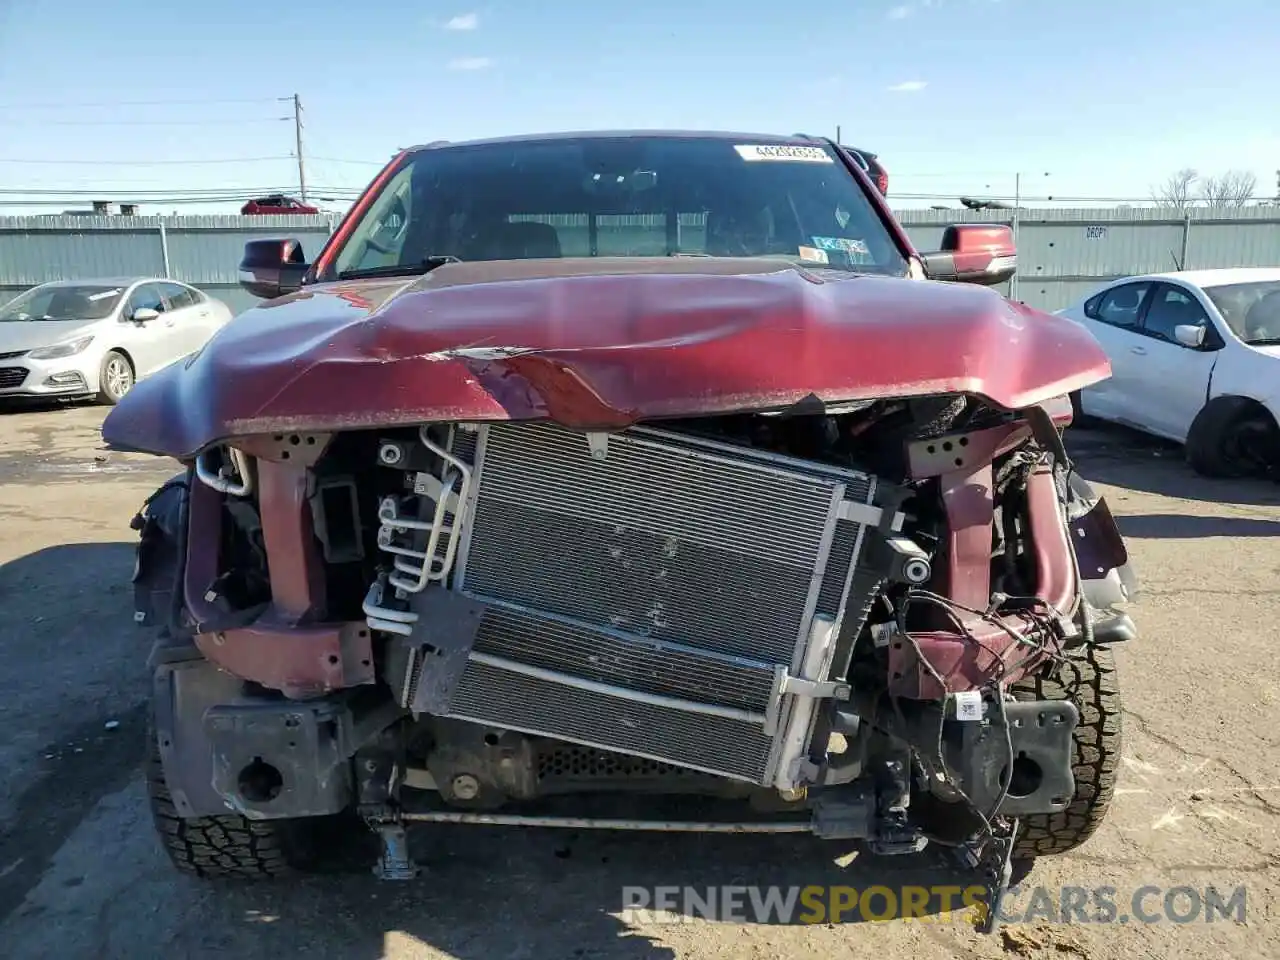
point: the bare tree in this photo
(1235, 188)
(1178, 191)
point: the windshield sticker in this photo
(104, 295)
(842, 245)
(813, 255)
(787, 153)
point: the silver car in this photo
(96, 338)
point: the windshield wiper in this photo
(421, 268)
(1264, 342)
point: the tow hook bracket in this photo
(894, 835)
(844, 814)
(1117, 628)
(393, 862)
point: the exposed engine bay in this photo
(821, 616)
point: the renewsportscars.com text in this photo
(939, 903)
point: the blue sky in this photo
(956, 95)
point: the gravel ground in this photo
(81, 875)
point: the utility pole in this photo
(837, 133)
(297, 134)
(1017, 202)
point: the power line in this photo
(136, 103)
(963, 175)
(156, 201)
(38, 188)
(144, 163)
(115, 191)
(1025, 198)
(149, 123)
(373, 163)
(236, 197)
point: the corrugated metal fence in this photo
(203, 251)
(1062, 254)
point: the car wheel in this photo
(1233, 437)
(116, 377)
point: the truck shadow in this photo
(488, 892)
(1174, 526)
(67, 615)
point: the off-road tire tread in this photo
(228, 846)
(1088, 678)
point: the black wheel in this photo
(115, 378)
(1233, 437)
(230, 846)
(213, 847)
(1087, 678)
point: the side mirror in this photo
(982, 253)
(1190, 335)
(272, 268)
(144, 315)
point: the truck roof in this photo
(736, 137)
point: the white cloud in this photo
(463, 21)
(471, 63)
(900, 12)
(909, 86)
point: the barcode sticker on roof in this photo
(785, 152)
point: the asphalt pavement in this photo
(81, 874)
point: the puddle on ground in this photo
(25, 468)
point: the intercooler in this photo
(655, 594)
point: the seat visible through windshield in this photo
(622, 197)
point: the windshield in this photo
(620, 197)
(63, 302)
(1252, 310)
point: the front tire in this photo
(115, 378)
(229, 846)
(1088, 679)
(226, 846)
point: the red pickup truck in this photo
(276, 205)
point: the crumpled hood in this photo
(597, 344)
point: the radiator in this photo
(655, 594)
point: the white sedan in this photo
(96, 338)
(1195, 358)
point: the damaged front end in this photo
(829, 620)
